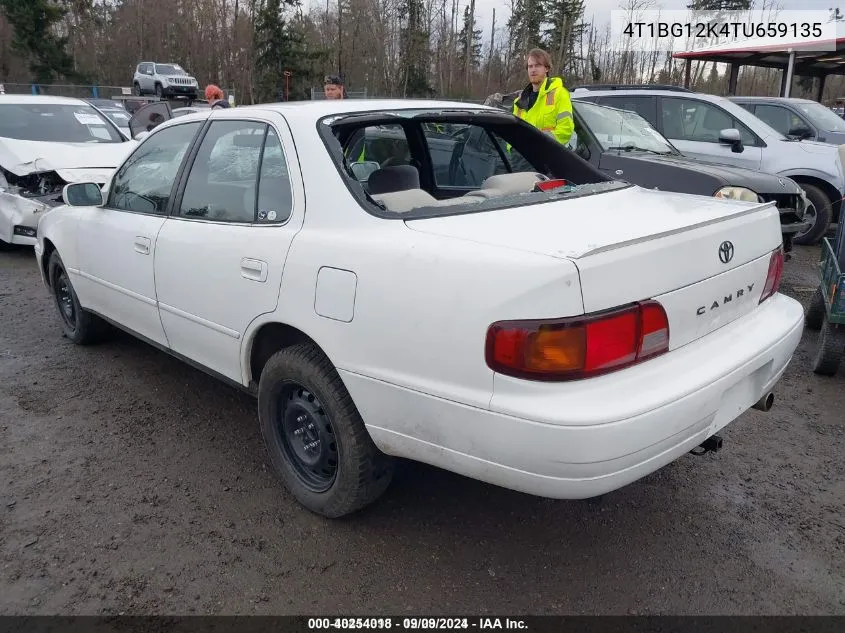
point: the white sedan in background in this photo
(390, 283)
(46, 143)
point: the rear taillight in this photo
(774, 275)
(578, 347)
(548, 185)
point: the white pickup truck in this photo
(552, 331)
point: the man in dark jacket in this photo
(333, 87)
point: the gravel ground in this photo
(134, 484)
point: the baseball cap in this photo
(333, 80)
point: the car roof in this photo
(315, 110)
(327, 107)
(773, 99)
(44, 99)
(307, 113)
(644, 91)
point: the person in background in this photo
(544, 102)
(333, 87)
(215, 97)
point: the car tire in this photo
(315, 437)
(831, 350)
(137, 89)
(816, 313)
(822, 205)
(159, 91)
(79, 325)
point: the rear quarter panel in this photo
(422, 303)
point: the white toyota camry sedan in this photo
(429, 280)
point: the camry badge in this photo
(726, 252)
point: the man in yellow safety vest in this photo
(545, 103)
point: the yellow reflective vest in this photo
(551, 112)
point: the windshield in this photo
(169, 69)
(620, 128)
(119, 116)
(821, 117)
(56, 123)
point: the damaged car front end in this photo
(45, 144)
(24, 199)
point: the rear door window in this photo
(385, 144)
(644, 106)
(700, 121)
(467, 155)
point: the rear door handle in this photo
(253, 269)
(142, 245)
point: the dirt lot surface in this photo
(131, 483)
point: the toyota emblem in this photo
(726, 252)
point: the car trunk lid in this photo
(688, 252)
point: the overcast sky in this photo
(600, 10)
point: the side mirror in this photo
(801, 133)
(733, 138)
(362, 170)
(83, 194)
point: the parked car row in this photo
(624, 145)
(716, 129)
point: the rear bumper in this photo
(584, 439)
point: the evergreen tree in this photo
(564, 30)
(35, 41)
(279, 47)
(470, 44)
(525, 27)
(416, 51)
(719, 5)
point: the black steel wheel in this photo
(315, 437)
(65, 299)
(307, 437)
(79, 325)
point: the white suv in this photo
(716, 129)
(164, 80)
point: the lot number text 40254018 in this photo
(415, 624)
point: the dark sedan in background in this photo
(625, 146)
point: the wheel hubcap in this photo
(809, 214)
(307, 437)
(65, 300)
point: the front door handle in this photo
(254, 269)
(142, 245)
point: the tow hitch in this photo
(710, 445)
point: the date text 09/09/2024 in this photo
(415, 624)
(723, 29)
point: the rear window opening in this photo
(431, 163)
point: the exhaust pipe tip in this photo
(765, 403)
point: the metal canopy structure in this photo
(805, 57)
